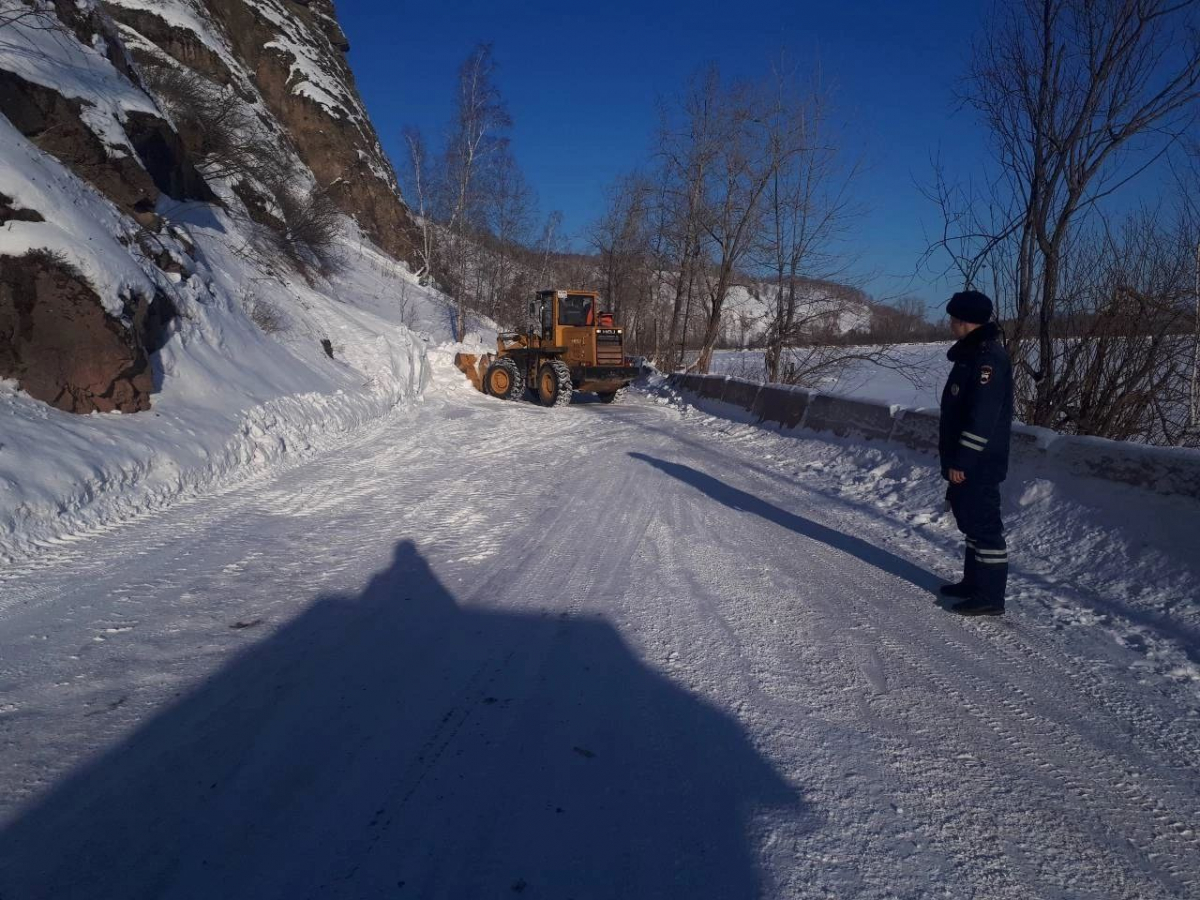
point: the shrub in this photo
(217, 127)
(264, 314)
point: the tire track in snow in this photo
(1137, 721)
(1008, 720)
(1093, 776)
(838, 672)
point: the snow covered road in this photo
(487, 650)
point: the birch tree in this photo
(478, 135)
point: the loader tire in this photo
(504, 380)
(614, 397)
(554, 386)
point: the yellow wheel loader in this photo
(569, 346)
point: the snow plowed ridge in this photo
(501, 646)
(123, 496)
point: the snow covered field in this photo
(918, 385)
(485, 650)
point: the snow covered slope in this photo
(252, 355)
(910, 375)
(822, 307)
(231, 396)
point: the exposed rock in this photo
(161, 256)
(181, 45)
(53, 122)
(93, 28)
(156, 324)
(11, 213)
(168, 263)
(339, 145)
(147, 218)
(257, 206)
(183, 239)
(61, 346)
(162, 153)
(283, 57)
(336, 36)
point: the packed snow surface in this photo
(483, 650)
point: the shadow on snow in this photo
(742, 501)
(396, 744)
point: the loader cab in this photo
(556, 312)
(577, 310)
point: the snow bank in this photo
(913, 377)
(232, 397)
(1168, 471)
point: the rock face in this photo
(291, 56)
(78, 88)
(61, 346)
(55, 124)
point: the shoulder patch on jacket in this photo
(985, 374)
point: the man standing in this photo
(976, 424)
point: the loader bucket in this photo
(473, 367)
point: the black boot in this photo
(961, 589)
(979, 606)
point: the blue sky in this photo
(581, 82)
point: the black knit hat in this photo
(970, 306)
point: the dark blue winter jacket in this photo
(977, 408)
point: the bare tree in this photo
(422, 185)
(29, 14)
(902, 321)
(477, 136)
(688, 143)
(621, 239)
(507, 215)
(1124, 317)
(733, 208)
(1078, 97)
(218, 127)
(312, 224)
(1187, 177)
(547, 246)
(807, 212)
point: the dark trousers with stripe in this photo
(976, 509)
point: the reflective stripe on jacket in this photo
(977, 408)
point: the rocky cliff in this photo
(116, 114)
